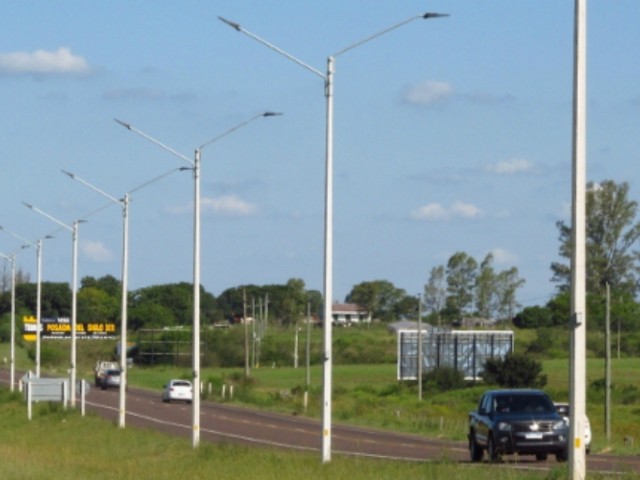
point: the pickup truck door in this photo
(483, 420)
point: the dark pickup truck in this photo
(518, 421)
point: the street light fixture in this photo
(328, 208)
(38, 244)
(194, 165)
(74, 293)
(12, 362)
(124, 203)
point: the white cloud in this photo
(432, 211)
(511, 166)
(435, 211)
(96, 251)
(503, 256)
(228, 205)
(42, 62)
(427, 93)
(467, 210)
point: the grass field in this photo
(369, 394)
(62, 445)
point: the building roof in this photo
(347, 308)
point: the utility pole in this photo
(247, 371)
(419, 347)
(607, 369)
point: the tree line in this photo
(463, 289)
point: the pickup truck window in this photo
(485, 404)
(522, 404)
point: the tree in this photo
(96, 305)
(379, 297)
(506, 284)
(514, 371)
(461, 277)
(5, 277)
(435, 292)
(533, 317)
(177, 297)
(485, 288)
(612, 232)
(109, 284)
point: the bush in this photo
(443, 379)
(515, 371)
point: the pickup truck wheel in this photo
(475, 450)
(541, 457)
(562, 456)
(492, 449)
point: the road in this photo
(232, 424)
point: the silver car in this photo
(180, 390)
(111, 379)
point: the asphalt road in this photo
(228, 423)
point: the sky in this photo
(450, 134)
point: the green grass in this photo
(62, 445)
(369, 395)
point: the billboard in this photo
(464, 350)
(60, 328)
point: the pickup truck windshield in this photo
(522, 404)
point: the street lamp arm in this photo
(55, 220)
(236, 26)
(15, 235)
(153, 140)
(92, 187)
(387, 30)
(237, 127)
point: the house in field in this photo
(347, 314)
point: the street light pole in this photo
(38, 245)
(12, 353)
(577, 452)
(74, 294)
(328, 207)
(195, 167)
(124, 203)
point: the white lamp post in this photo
(328, 209)
(195, 167)
(124, 203)
(74, 294)
(12, 354)
(38, 245)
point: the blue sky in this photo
(451, 134)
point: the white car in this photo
(180, 390)
(564, 411)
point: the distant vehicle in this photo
(110, 379)
(101, 369)
(518, 421)
(564, 411)
(180, 390)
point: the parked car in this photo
(180, 390)
(564, 411)
(518, 421)
(111, 378)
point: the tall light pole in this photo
(38, 244)
(74, 294)
(12, 353)
(195, 167)
(124, 203)
(328, 207)
(577, 453)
